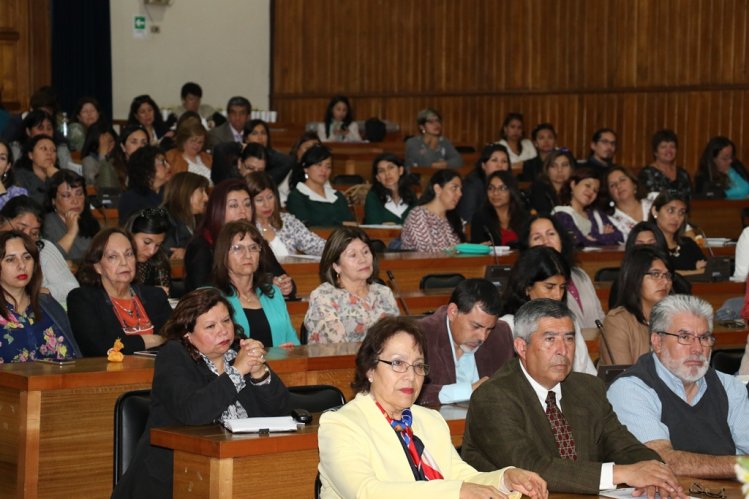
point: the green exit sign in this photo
(139, 23)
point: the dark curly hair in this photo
(141, 168)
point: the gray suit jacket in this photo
(220, 134)
(506, 425)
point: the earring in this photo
(655, 217)
(306, 176)
(370, 380)
(612, 203)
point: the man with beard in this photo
(696, 418)
(578, 445)
(602, 150)
(465, 343)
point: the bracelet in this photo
(261, 378)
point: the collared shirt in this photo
(238, 136)
(396, 209)
(607, 469)
(638, 407)
(466, 374)
(330, 193)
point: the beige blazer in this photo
(360, 455)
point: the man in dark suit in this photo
(465, 343)
(578, 447)
(238, 112)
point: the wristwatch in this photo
(261, 378)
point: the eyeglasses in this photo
(240, 249)
(401, 366)
(657, 275)
(706, 340)
(698, 489)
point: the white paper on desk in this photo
(626, 492)
(381, 226)
(255, 425)
(306, 257)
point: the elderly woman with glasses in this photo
(239, 270)
(431, 148)
(382, 444)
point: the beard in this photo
(687, 374)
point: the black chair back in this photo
(130, 417)
(607, 274)
(315, 398)
(347, 179)
(609, 373)
(438, 281)
(727, 361)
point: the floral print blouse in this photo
(23, 339)
(338, 316)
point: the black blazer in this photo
(95, 326)
(186, 392)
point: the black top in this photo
(132, 201)
(687, 254)
(654, 181)
(259, 326)
(706, 187)
(474, 195)
(543, 197)
(600, 167)
(531, 169)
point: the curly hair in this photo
(141, 168)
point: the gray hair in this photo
(664, 311)
(528, 316)
(425, 114)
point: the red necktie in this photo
(560, 428)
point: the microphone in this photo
(599, 325)
(394, 285)
(494, 245)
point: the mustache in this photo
(560, 360)
(697, 357)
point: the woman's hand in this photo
(608, 229)
(701, 264)
(152, 340)
(177, 254)
(284, 283)
(476, 491)
(527, 482)
(71, 222)
(250, 358)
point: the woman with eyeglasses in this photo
(148, 172)
(149, 228)
(230, 200)
(69, 222)
(669, 213)
(348, 301)
(239, 272)
(644, 279)
(502, 216)
(431, 148)
(494, 158)
(382, 444)
(547, 187)
(110, 304)
(33, 326)
(25, 215)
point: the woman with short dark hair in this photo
(147, 173)
(149, 227)
(348, 301)
(669, 212)
(145, 112)
(663, 174)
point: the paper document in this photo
(256, 425)
(626, 492)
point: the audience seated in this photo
(312, 199)
(285, 234)
(69, 222)
(132, 138)
(581, 294)
(720, 174)
(149, 227)
(87, 113)
(338, 125)
(547, 186)
(431, 148)
(189, 151)
(25, 215)
(644, 280)
(278, 165)
(579, 214)
(602, 151)
(541, 272)
(307, 140)
(695, 417)
(513, 138)
(147, 173)
(239, 272)
(229, 201)
(191, 95)
(36, 165)
(254, 158)
(544, 139)
(577, 446)
(109, 304)
(146, 113)
(390, 198)
(40, 122)
(348, 301)
(435, 225)
(201, 376)
(663, 174)
(359, 456)
(669, 213)
(98, 151)
(238, 111)
(494, 157)
(185, 199)
(8, 187)
(502, 216)
(622, 200)
(465, 343)
(33, 325)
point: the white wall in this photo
(224, 45)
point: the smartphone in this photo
(301, 416)
(57, 362)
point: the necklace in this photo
(128, 311)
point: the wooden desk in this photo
(56, 423)
(213, 463)
(718, 217)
